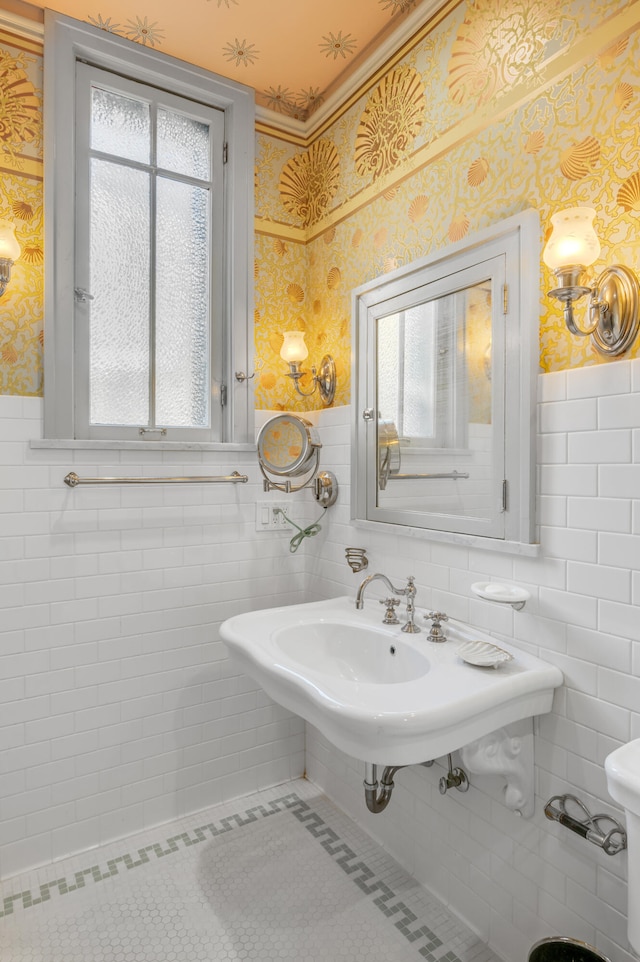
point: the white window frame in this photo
(66, 42)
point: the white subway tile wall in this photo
(119, 709)
(118, 706)
(517, 881)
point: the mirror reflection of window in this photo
(435, 363)
(407, 354)
(478, 352)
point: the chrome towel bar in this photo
(416, 477)
(73, 480)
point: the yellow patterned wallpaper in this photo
(491, 111)
(495, 111)
(21, 307)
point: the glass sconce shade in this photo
(573, 240)
(9, 246)
(293, 347)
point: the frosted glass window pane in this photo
(389, 362)
(407, 356)
(182, 305)
(183, 144)
(119, 331)
(419, 371)
(478, 352)
(120, 125)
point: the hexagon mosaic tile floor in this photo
(278, 875)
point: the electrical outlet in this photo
(270, 519)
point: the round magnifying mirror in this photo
(287, 445)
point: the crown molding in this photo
(303, 132)
(282, 126)
(23, 27)
(365, 75)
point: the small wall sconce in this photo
(9, 252)
(613, 309)
(294, 351)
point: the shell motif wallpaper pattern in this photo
(284, 302)
(389, 123)
(576, 142)
(497, 45)
(350, 208)
(309, 181)
(21, 307)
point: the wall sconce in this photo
(9, 252)
(615, 297)
(294, 351)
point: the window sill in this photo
(74, 444)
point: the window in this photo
(149, 300)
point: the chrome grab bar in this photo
(72, 480)
(603, 830)
(416, 477)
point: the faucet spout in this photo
(376, 577)
(409, 592)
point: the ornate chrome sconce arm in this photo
(614, 315)
(325, 381)
(614, 306)
(294, 351)
(5, 273)
(9, 252)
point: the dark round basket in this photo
(561, 949)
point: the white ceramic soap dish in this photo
(483, 654)
(501, 594)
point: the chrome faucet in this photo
(409, 592)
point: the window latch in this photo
(81, 295)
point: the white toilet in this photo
(623, 780)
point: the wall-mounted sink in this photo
(378, 694)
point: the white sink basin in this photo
(334, 666)
(354, 653)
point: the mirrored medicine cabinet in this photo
(445, 364)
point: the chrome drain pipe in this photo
(378, 802)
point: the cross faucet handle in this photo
(390, 617)
(436, 617)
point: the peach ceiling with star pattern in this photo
(294, 53)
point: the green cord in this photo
(303, 533)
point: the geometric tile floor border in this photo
(171, 845)
(424, 940)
